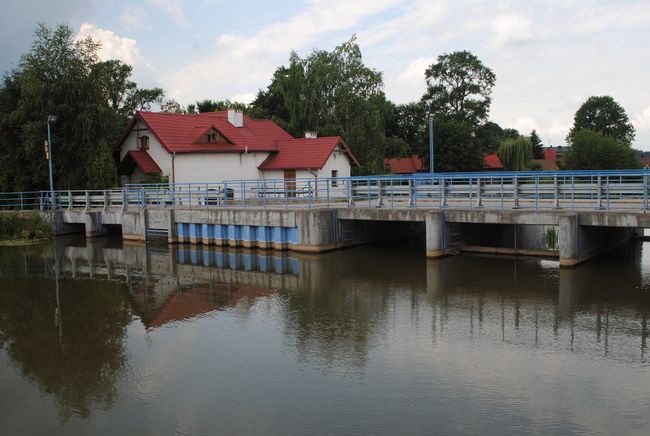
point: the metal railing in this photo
(572, 190)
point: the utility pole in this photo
(50, 119)
(431, 160)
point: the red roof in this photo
(492, 162)
(403, 165)
(550, 154)
(180, 133)
(142, 159)
(305, 153)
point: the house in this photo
(403, 165)
(226, 145)
(491, 162)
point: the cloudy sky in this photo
(548, 55)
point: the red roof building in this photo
(403, 165)
(492, 162)
(226, 145)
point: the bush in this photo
(17, 226)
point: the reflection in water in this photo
(71, 314)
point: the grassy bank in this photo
(23, 228)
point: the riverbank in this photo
(24, 228)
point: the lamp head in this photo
(51, 118)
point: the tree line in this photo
(331, 92)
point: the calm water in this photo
(106, 339)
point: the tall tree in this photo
(459, 88)
(595, 151)
(538, 147)
(516, 154)
(92, 101)
(333, 93)
(457, 148)
(603, 114)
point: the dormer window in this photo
(143, 143)
(214, 137)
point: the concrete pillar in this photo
(569, 243)
(317, 231)
(435, 234)
(94, 226)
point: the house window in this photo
(335, 174)
(144, 143)
(213, 138)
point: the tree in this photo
(457, 149)
(91, 99)
(409, 122)
(538, 147)
(516, 154)
(333, 93)
(459, 88)
(595, 151)
(603, 114)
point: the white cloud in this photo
(510, 29)
(135, 17)
(242, 64)
(124, 49)
(173, 8)
(641, 120)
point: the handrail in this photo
(607, 190)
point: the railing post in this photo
(327, 191)
(645, 192)
(349, 191)
(125, 199)
(106, 200)
(515, 194)
(600, 193)
(443, 190)
(479, 197)
(207, 196)
(309, 194)
(411, 193)
(556, 190)
(380, 198)
(87, 201)
(225, 194)
(21, 201)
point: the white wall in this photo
(156, 151)
(338, 160)
(216, 167)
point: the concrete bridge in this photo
(517, 213)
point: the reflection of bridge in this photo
(505, 212)
(515, 302)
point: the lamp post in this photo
(431, 161)
(50, 119)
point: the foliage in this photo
(516, 154)
(101, 170)
(603, 114)
(332, 93)
(595, 151)
(92, 101)
(538, 147)
(551, 238)
(459, 88)
(410, 122)
(24, 226)
(456, 148)
(489, 135)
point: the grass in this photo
(21, 229)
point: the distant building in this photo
(403, 165)
(644, 158)
(491, 162)
(226, 145)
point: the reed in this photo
(17, 226)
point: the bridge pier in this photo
(435, 229)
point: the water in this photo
(111, 339)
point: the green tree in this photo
(456, 147)
(603, 114)
(516, 154)
(595, 151)
(333, 93)
(91, 99)
(538, 147)
(459, 88)
(409, 122)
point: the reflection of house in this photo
(164, 301)
(216, 146)
(403, 165)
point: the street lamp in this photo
(431, 170)
(50, 119)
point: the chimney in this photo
(236, 117)
(311, 135)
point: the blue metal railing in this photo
(573, 190)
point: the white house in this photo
(227, 145)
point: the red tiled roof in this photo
(492, 162)
(179, 133)
(305, 153)
(550, 154)
(403, 165)
(142, 159)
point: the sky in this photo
(549, 56)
